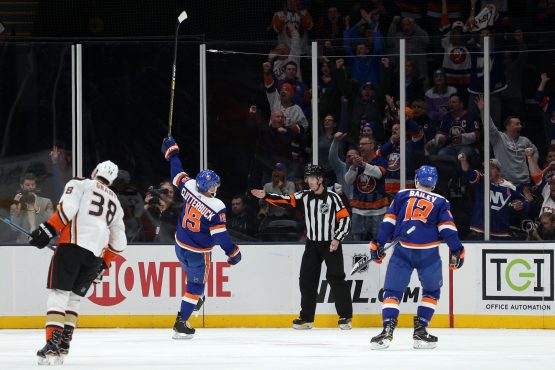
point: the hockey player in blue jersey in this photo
(429, 213)
(201, 226)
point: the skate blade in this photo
(383, 344)
(306, 326)
(50, 360)
(180, 336)
(348, 326)
(420, 344)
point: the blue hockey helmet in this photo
(206, 179)
(427, 176)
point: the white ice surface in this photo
(286, 349)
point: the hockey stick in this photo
(362, 263)
(180, 19)
(9, 222)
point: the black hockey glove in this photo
(100, 272)
(456, 259)
(234, 256)
(42, 235)
(377, 251)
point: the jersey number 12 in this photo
(418, 210)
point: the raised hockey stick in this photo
(9, 222)
(362, 263)
(180, 19)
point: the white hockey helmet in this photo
(107, 170)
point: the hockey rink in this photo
(286, 349)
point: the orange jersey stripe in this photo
(293, 200)
(429, 300)
(65, 234)
(236, 252)
(343, 213)
(206, 267)
(446, 223)
(420, 245)
(370, 205)
(109, 256)
(50, 278)
(391, 300)
(191, 248)
(56, 221)
(191, 296)
(217, 227)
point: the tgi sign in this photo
(517, 274)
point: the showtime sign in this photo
(153, 280)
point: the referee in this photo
(327, 223)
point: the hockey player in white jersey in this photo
(89, 221)
(201, 226)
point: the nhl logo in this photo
(324, 208)
(361, 257)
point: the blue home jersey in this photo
(501, 196)
(452, 127)
(202, 222)
(428, 212)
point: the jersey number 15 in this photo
(191, 218)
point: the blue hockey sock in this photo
(390, 309)
(190, 299)
(188, 303)
(426, 309)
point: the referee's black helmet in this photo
(313, 170)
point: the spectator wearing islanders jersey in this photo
(456, 57)
(544, 186)
(458, 131)
(369, 203)
(504, 198)
(201, 226)
(391, 150)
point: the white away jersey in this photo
(90, 215)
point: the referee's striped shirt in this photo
(325, 215)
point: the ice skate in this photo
(64, 342)
(50, 353)
(422, 339)
(382, 340)
(345, 324)
(182, 329)
(301, 324)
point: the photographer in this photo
(160, 220)
(545, 230)
(29, 210)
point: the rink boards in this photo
(508, 285)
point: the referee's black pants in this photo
(314, 254)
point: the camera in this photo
(155, 194)
(27, 196)
(529, 225)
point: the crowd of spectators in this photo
(358, 110)
(359, 120)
